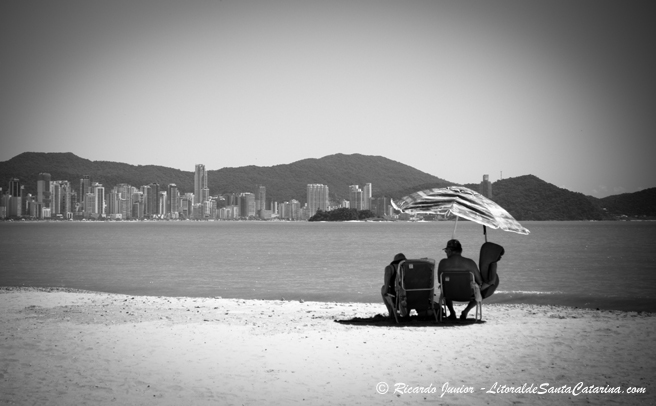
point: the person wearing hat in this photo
(454, 261)
(389, 287)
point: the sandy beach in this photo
(61, 347)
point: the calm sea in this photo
(609, 265)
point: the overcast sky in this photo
(563, 90)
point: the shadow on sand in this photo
(413, 321)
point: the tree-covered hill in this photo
(67, 166)
(638, 204)
(283, 182)
(525, 197)
(530, 198)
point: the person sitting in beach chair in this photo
(414, 288)
(388, 291)
(455, 262)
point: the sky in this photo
(563, 90)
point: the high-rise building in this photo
(85, 184)
(200, 183)
(247, 204)
(260, 200)
(162, 202)
(317, 198)
(145, 195)
(355, 197)
(43, 191)
(153, 199)
(124, 200)
(173, 197)
(99, 200)
(366, 197)
(55, 193)
(14, 187)
(14, 203)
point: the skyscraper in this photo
(43, 192)
(14, 205)
(85, 184)
(200, 183)
(247, 204)
(14, 187)
(173, 200)
(260, 200)
(153, 199)
(355, 197)
(145, 196)
(366, 197)
(317, 198)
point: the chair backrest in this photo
(490, 254)
(487, 263)
(416, 274)
(457, 285)
(415, 280)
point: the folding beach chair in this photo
(415, 287)
(459, 286)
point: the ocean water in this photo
(608, 265)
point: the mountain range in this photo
(525, 197)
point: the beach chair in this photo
(415, 287)
(490, 254)
(459, 286)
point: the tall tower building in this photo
(99, 199)
(366, 197)
(56, 193)
(153, 199)
(124, 200)
(317, 198)
(14, 203)
(145, 196)
(173, 196)
(85, 184)
(43, 192)
(14, 187)
(200, 183)
(247, 204)
(355, 197)
(260, 199)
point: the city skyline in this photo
(59, 199)
(557, 89)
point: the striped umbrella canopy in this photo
(461, 202)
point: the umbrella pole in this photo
(485, 233)
(453, 236)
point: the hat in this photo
(399, 258)
(453, 245)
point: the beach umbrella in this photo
(462, 202)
